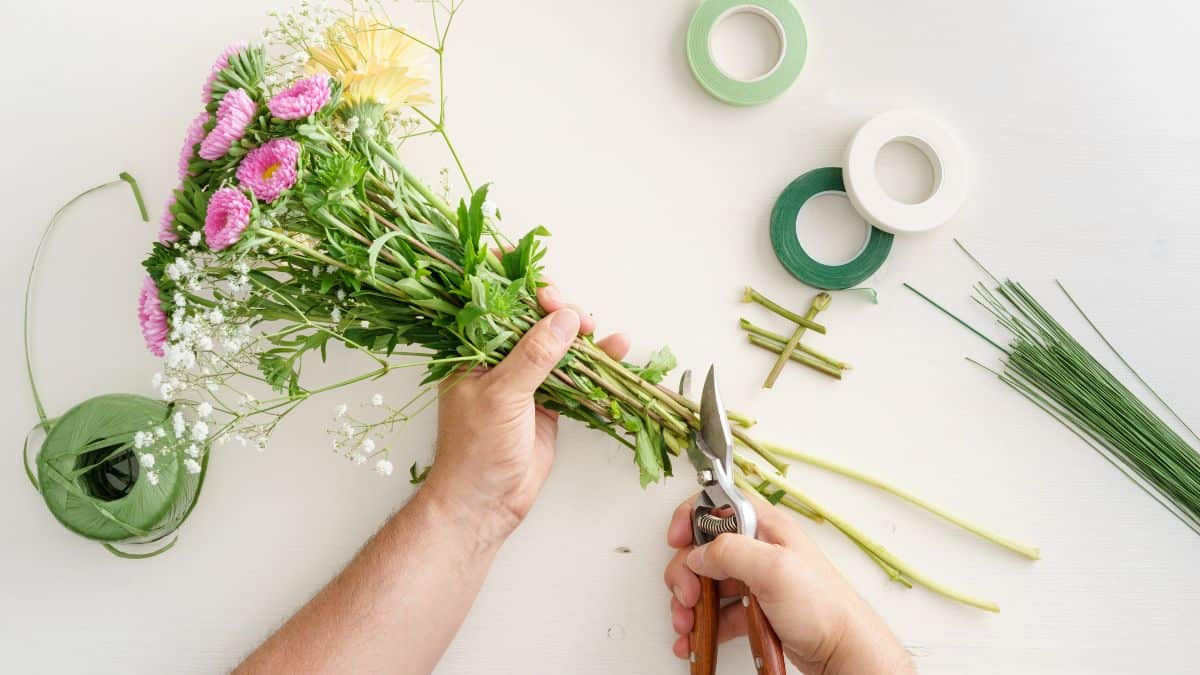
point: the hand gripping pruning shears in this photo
(721, 507)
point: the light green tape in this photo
(793, 41)
(792, 254)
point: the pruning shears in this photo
(721, 507)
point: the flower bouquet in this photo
(297, 227)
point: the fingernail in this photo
(678, 594)
(564, 324)
(695, 559)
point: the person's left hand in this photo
(494, 445)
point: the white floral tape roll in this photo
(938, 144)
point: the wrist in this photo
(868, 646)
(459, 505)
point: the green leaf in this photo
(417, 475)
(661, 362)
(647, 458)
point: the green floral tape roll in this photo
(793, 41)
(791, 252)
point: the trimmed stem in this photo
(863, 540)
(752, 295)
(749, 327)
(1030, 552)
(819, 303)
(798, 357)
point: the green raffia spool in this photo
(791, 252)
(88, 470)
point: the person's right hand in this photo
(825, 627)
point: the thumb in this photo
(542, 347)
(737, 556)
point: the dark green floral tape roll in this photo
(791, 252)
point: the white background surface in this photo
(1079, 121)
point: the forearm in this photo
(398, 604)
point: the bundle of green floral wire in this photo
(1046, 364)
(296, 225)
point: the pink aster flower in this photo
(270, 169)
(166, 226)
(227, 218)
(220, 64)
(195, 134)
(301, 99)
(152, 318)
(233, 116)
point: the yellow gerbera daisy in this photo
(374, 62)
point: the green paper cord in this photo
(37, 253)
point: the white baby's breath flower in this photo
(340, 410)
(191, 465)
(364, 323)
(368, 446)
(204, 409)
(193, 450)
(377, 400)
(159, 432)
(157, 380)
(152, 476)
(216, 318)
(167, 391)
(489, 208)
(384, 467)
(359, 459)
(179, 424)
(346, 429)
(199, 430)
(146, 460)
(194, 238)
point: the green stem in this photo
(798, 357)
(1030, 552)
(819, 303)
(752, 295)
(863, 540)
(412, 180)
(749, 327)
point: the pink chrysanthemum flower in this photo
(220, 64)
(195, 134)
(270, 169)
(302, 99)
(233, 116)
(166, 226)
(152, 318)
(227, 218)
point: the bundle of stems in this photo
(1046, 364)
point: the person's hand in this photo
(825, 627)
(494, 445)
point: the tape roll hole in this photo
(747, 43)
(908, 170)
(831, 230)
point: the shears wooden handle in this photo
(764, 643)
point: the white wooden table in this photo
(1080, 123)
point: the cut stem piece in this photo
(819, 303)
(798, 357)
(752, 295)
(750, 327)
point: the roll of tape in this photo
(793, 42)
(791, 252)
(938, 145)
